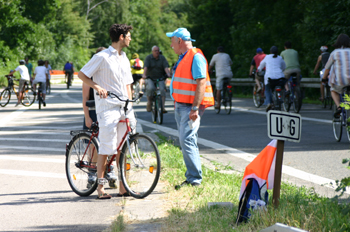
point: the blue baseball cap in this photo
(258, 50)
(182, 33)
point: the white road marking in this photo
(247, 156)
(35, 140)
(48, 127)
(31, 159)
(32, 173)
(32, 148)
(36, 132)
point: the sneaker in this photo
(337, 112)
(16, 104)
(91, 179)
(149, 106)
(111, 176)
(164, 111)
(194, 184)
(258, 90)
(287, 93)
(44, 103)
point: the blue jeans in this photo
(270, 87)
(188, 142)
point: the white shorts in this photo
(111, 131)
(220, 82)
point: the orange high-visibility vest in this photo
(184, 86)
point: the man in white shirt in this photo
(111, 71)
(222, 63)
(23, 70)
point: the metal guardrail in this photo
(305, 82)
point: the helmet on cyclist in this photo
(21, 62)
(323, 48)
(258, 50)
(135, 56)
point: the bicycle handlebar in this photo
(112, 95)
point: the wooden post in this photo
(278, 173)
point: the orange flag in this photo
(262, 168)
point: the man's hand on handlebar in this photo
(102, 92)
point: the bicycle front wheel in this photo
(28, 97)
(228, 100)
(140, 165)
(160, 109)
(136, 91)
(80, 170)
(5, 97)
(154, 110)
(337, 126)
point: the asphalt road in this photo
(35, 195)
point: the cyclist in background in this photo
(275, 66)
(291, 58)
(48, 69)
(339, 69)
(260, 55)
(68, 71)
(323, 58)
(155, 65)
(222, 63)
(30, 70)
(136, 65)
(23, 70)
(40, 75)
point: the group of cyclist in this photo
(277, 69)
(41, 74)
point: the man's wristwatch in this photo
(194, 108)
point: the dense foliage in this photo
(61, 30)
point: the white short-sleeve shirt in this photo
(23, 70)
(274, 67)
(112, 72)
(222, 63)
(40, 74)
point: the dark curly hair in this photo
(343, 40)
(118, 29)
(41, 62)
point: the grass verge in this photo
(299, 207)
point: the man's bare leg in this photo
(122, 189)
(101, 167)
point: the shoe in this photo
(258, 90)
(269, 107)
(337, 112)
(287, 92)
(111, 176)
(104, 196)
(124, 195)
(44, 103)
(112, 184)
(149, 106)
(217, 106)
(177, 187)
(91, 179)
(164, 111)
(321, 99)
(16, 104)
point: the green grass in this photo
(299, 207)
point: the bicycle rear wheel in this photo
(80, 171)
(337, 126)
(5, 97)
(287, 101)
(297, 101)
(140, 166)
(28, 97)
(256, 97)
(160, 109)
(227, 101)
(136, 91)
(217, 110)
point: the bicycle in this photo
(40, 96)
(278, 92)
(69, 77)
(327, 95)
(28, 96)
(258, 98)
(294, 98)
(226, 97)
(157, 103)
(343, 121)
(139, 161)
(137, 89)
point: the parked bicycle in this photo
(258, 98)
(294, 98)
(157, 103)
(28, 96)
(139, 161)
(341, 121)
(226, 97)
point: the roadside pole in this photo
(282, 126)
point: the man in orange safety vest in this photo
(191, 90)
